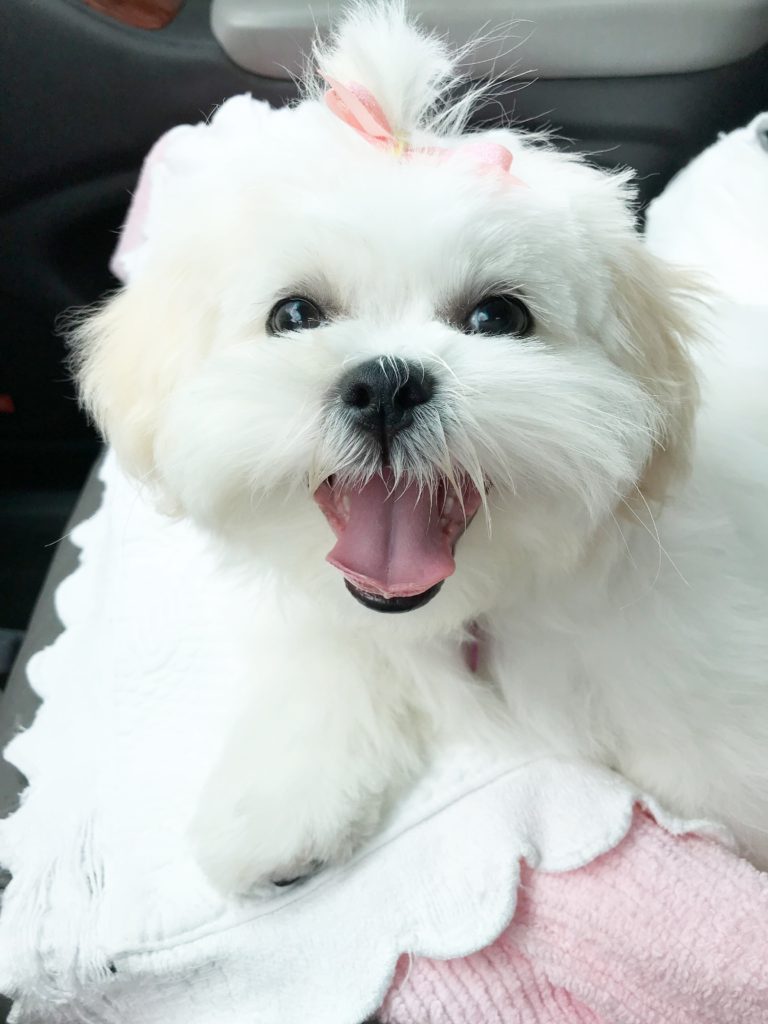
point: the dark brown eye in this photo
(294, 314)
(500, 315)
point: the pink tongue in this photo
(391, 544)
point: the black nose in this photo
(382, 393)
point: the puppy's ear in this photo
(652, 322)
(128, 354)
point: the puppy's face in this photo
(406, 384)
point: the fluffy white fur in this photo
(623, 599)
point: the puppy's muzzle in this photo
(380, 395)
(395, 537)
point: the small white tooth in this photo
(448, 506)
(346, 504)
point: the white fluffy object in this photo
(714, 214)
(220, 713)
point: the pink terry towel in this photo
(661, 930)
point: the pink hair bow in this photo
(357, 107)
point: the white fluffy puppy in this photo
(389, 374)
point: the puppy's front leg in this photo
(326, 739)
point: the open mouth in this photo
(395, 543)
(377, 603)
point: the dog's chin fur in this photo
(624, 615)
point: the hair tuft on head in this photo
(412, 73)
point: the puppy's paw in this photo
(307, 872)
(259, 840)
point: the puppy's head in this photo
(423, 364)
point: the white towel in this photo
(108, 919)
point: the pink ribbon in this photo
(357, 107)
